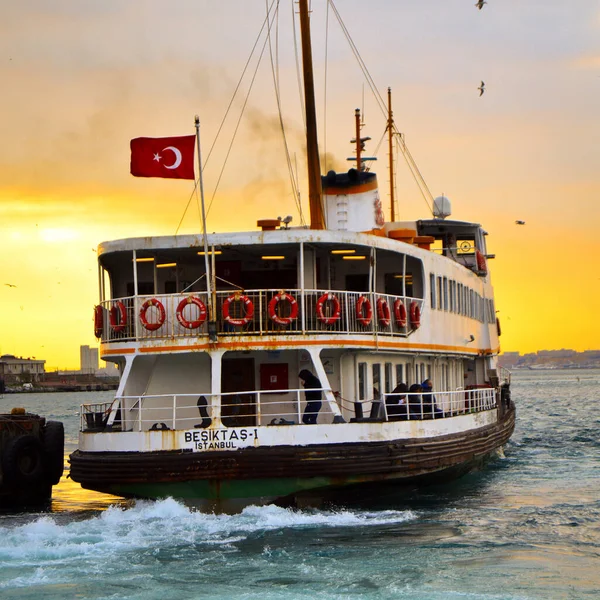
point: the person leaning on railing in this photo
(313, 396)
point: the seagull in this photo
(479, 4)
(10, 285)
(481, 88)
(519, 222)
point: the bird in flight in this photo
(479, 4)
(481, 88)
(10, 284)
(519, 222)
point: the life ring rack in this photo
(248, 307)
(161, 314)
(283, 297)
(383, 312)
(202, 313)
(117, 317)
(320, 309)
(362, 317)
(415, 315)
(400, 312)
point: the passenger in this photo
(313, 396)
(415, 402)
(395, 403)
(429, 402)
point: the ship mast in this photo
(390, 128)
(315, 194)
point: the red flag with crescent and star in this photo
(171, 157)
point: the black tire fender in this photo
(22, 460)
(53, 442)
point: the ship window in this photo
(439, 293)
(452, 296)
(376, 371)
(459, 299)
(399, 374)
(428, 372)
(388, 378)
(432, 290)
(362, 381)
(445, 293)
(422, 378)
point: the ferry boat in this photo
(292, 364)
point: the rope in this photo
(418, 177)
(237, 126)
(237, 87)
(275, 73)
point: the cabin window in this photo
(362, 381)
(399, 374)
(389, 378)
(439, 293)
(445, 293)
(428, 371)
(452, 296)
(432, 289)
(459, 298)
(376, 372)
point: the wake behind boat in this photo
(291, 364)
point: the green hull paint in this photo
(225, 495)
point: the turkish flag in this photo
(171, 157)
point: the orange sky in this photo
(81, 79)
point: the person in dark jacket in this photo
(429, 406)
(395, 404)
(415, 401)
(313, 396)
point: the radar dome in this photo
(441, 207)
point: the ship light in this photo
(216, 252)
(165, 265)
(144, 260)
(348, 251)
(272, 257)
(351, 257)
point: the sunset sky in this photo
(80, 79)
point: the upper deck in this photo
(291, 282)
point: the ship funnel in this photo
(352, 201)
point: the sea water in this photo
(527, 526)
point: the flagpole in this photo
(212, 330)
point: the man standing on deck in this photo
(313, 396)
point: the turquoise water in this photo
(526, 527)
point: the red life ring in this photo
(98, 321)
(248, 309)
(364, 319)
(201, 312)
(161, 314)
(400, 312)
(383, 312)
(118, 316)
(328, 296)
(481, 263)
(415, 315)
(293, 308)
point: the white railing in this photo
(274, 407)
(266, 315)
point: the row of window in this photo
(449, 295)
(384, 378)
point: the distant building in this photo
(88, 360)
(20, 370)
